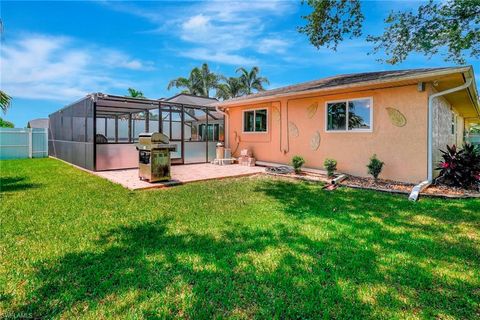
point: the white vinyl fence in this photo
(16, 143)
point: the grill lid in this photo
(146, 138)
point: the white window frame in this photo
(254, 112)
(346, 124)
(453, 124)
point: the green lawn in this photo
(75, 245)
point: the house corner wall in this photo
(296, 126)
(447, 129)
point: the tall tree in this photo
(199, 82)
(251, 80)
(209, 79)
(5, 99)
(436, 26)
(231, 87)
(135, 93)
(331, 21)
(191, 84)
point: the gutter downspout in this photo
(418, 188)
(430, 122)
(227, 142)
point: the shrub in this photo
(375, 166)
(460, 168)
(5, 124)
(331, 166)
(297, 163)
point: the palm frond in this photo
(5, 101)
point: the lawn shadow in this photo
(388, 225)
(369, 261)
(218, 277)
(12, 184)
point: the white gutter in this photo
(225, 129)
(430, 122)
(418, 188)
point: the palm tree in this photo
(5, 100)
(135, 93)
(251, 81)
(191, 84)
(231, 88)
(198, 83)
(209, 79)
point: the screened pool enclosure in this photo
(99, 132)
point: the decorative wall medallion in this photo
(292, 129)
(396, 117)
(315, 142)
(276, 114)
(312, 109)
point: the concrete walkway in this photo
(180, 174)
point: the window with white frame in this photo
(255, 120)
(349, 115)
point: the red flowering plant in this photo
(460, 168)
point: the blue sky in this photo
(54, 53)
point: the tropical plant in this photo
(331, 166)
(429, 28)
(191, 84)
(5, 100)
(251, 81)
(135, 93)
(231, 87)
(460, 168)
(6, 124)
(209, 80)
(199, 82)
(375, 167)
(297, 163)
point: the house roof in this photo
(38, 123)
(190, 99)
(346, 81)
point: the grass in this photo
(75, 245)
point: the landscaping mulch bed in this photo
(379, 185)
(434, 190)
(452, 192)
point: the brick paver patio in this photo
(180, 174)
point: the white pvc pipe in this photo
(225, 129)
(430, 123)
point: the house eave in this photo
(417, 77)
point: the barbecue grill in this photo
(154, 156)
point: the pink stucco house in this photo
(404, 117)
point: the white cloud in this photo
(218, 56)
(221, 31)
(59, 68)
(228, 28)
(118, 59)
(195, 23)
(271, 45)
